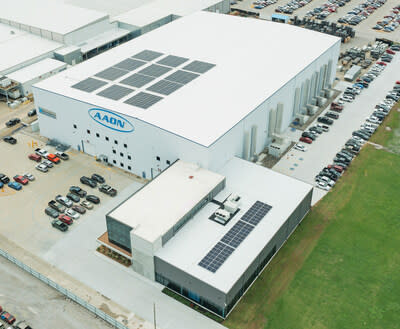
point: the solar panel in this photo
(143, 100)
(256, 213)
(164, 87)
(155, 70)
(129, 64)
(147, 55)
(198, 67)
(137, 80)
(181, 77)
(111, 73)
(216, 257)
(89, 84)
(173, 61)
(115, 92)
(235, 236)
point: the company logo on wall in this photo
(111, 120)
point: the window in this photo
(125, 145)
(114, 162)
(48, 113)
(121, 154)
(106, 138)
(122, 165)
(97, 135)
(168, 162)
(88, 131)
(129, 168)
(114, 152)
(115, 142)
(158, 158)
(129, 157)
(75, 126)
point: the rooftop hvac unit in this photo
(230, 206)
(5, 82)
(234, 198)
(222, 214)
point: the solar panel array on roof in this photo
(235, 236)
(155, 70)
(172, 61)
(112, 73)
(147, 55)
(115, 92)
(143, 100)
(164, 87)
(129, 64)
(198, 67)
(89, 84)
(137, 80)
(182, 77)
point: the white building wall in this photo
(87, 32)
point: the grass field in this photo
(341, 267)
(390, 138)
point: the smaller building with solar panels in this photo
(208, 235)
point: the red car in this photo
(65, 219)
(381, 63)
(398, 82)
(21, 179)
(53, 158)
(35, 157)
(389, 51)
(305, 140)
(7, 317)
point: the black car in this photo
(332, 115)
(341, 159)
(309, 135)
(97, 178)
(51, 212)
(360, 134)
(349, 153)
(4, 179)
(32, 113)
(316, 130)
(343, 155)
(12, 122)
(78, 191)
(341, 164)
(59, 225)
(325, 120)
(73, 197)
(379, 115)
(92, 198)
(108, 190)
(88, 181)
(10, 140)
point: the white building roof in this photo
(159, 205)
(49, 15)
(34, 71)
(253, 59)
(194, 240)
(102, 39)
(18, 47)
(158, 9)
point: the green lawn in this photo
(389, 137)
(341, 267)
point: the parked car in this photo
(1, 185)
(86, 204)
(93, 198)
(332, 115)
(298, 147)
(323, 185)
(97, 178)
(14, 185)
(32, 113)
(12, 122)
(48, 163)
(41, 152)
(7, 317)
(35, 157)
(305, 140)
(53, 158)
(79, 209)
(72, 213)
(323, 127)
(4, 179)
(51, 212)
(62, 155)
(112, 191)
(10, 140)
(78, 191)
(64, 201)
(87, 181)
(309, 135)
(21, 179)
(42, 167)
(316, 130)
(57, 206)
(73, 197)
(65, 219)
(59, 225)
(29, 177)
(325, 120)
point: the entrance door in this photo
(88, 148)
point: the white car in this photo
(300, 147)
(373, 119)
(71, 213)
(41, 152)
(42, 167)
(323, 186)
(359, 140)
(29, 176)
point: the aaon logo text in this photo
(111, 120)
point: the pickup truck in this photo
(53, 158)
(41, 152)
(57, 206)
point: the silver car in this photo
(29, 176)
(71, 213)
(42, 167)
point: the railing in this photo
(109, 319)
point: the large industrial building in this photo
(188, 91)
(208, 235)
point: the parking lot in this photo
(306, 165)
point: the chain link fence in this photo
(109, 319)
